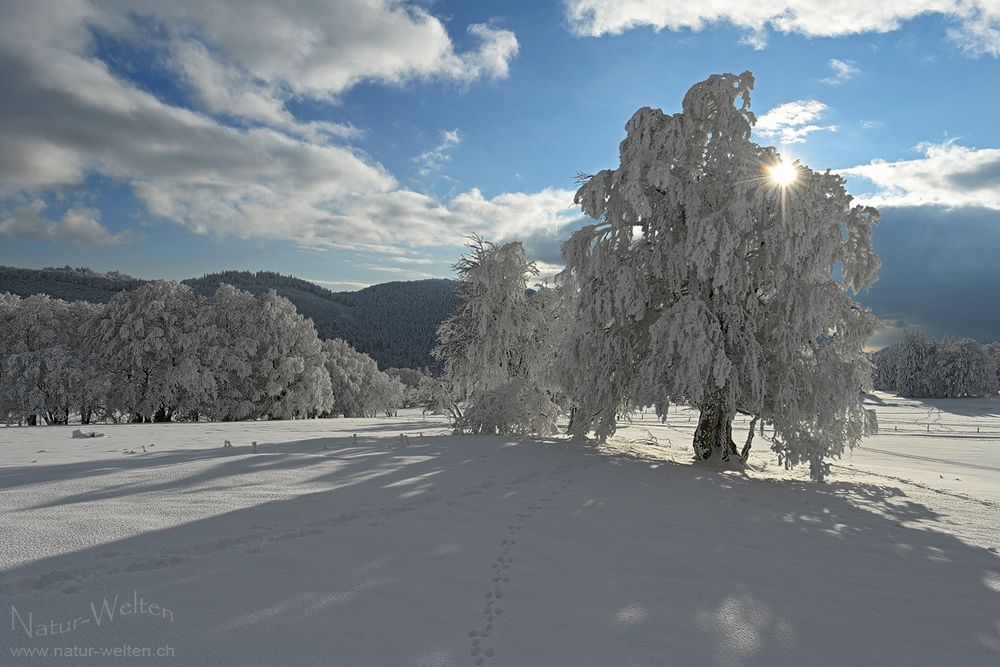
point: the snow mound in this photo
(88, 434)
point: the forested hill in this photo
(66, 283)
(393, 322)
(396, 323)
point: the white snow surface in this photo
(323, 550)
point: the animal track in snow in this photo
(500, 577)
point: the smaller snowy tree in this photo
(492, 347)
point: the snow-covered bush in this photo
(437, 396)
(705, 281)
(517, 407)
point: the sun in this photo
(783, 173)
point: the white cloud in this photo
(223, 89)
(948, 175)
(975, 23)
(80, 226)
(349, 284)
(843, 70)
(547, 271)
(322, 49)
(792, 122)
(432, 160)
(396, 270)
(67, 115)
(393, 220)
(979, 36)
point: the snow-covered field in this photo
(320, 549)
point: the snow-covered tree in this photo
(913, 364)
(485, 343)
(360, 389)
(961, 367)
(45, 370)
(290, 378)
(993, 350)
(87, 387)
(231, 337)
(884, 374)
(492, 348)
(717, 275)
(262, 357)
(146, 343)
(9, 304)
(917, 367)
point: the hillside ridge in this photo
(394, 322)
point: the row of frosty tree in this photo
(917, 367)
(160, 353)
(703, 281)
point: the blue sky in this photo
(352, 142)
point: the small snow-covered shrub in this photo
(514, 408)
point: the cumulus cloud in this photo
(324, 48)
(225, 89)
(399, 218)
(792, 122)
(433, 159)
(843, 70)
(80, 226)
(947, 175)
(975, 24)
(239, 164)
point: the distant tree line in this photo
(394, 323)
(163, 353)
(917, 367)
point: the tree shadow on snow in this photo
(621, 560)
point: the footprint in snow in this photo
(498, 580)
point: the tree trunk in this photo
(32, 420)
(84, 415)
(745, 452)
(714, 433)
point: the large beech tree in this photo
(718, 276)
